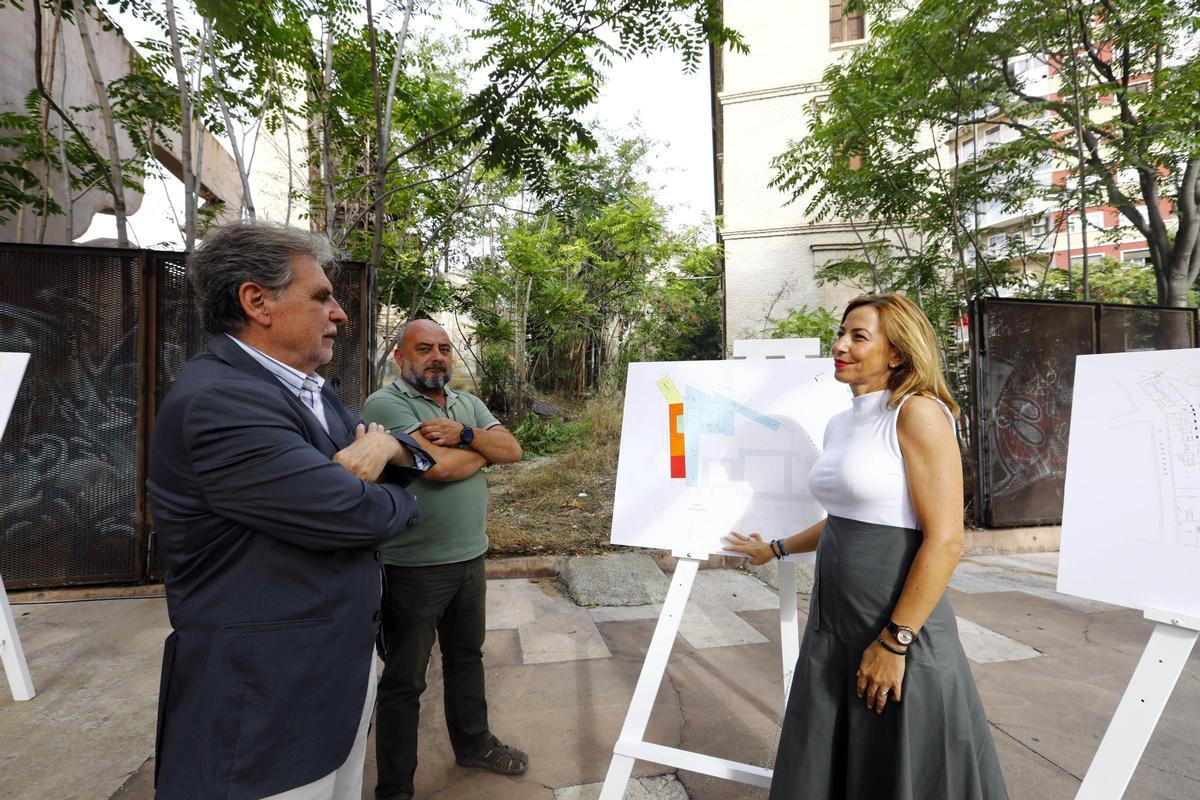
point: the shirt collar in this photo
(291, 376)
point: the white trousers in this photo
(345, 782)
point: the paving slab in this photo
(95, 668)
(549, 626)
(1033, 573)
(986, 646)
(657, 787)
(615, 579)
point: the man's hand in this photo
(442, 432)
(372, 449)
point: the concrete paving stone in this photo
(615, 579)
(565, 715)
(736, 590)
(550, 627)
(710, 624)
(95, 667)
(1035, 574)
(985, 646)
(768, 573)
(502, 605)
(709, 620)
(658, 787)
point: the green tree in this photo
(588, 280)
(1122, 115)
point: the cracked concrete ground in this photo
(1050, 670)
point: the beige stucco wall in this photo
(72, 88)
(772, 247)
(17, 79)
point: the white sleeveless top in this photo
(860, 475)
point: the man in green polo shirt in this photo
(435, 575)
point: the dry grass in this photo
(535, 507)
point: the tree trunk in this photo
(44, 126)
(68, 194)
(110, 129)
(185, 132)
(247, 200)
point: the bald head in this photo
(423, 355)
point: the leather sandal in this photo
(497, 757)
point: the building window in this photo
(845, 28)
(1135, 256)
(991, 136)
(1039, 227)
(995, 244)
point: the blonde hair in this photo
(909, 331)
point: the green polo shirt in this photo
(455, 512)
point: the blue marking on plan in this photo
(711, 413)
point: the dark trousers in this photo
(423, 604)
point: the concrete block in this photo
(768, 573)
(614, 579)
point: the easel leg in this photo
(620, 769)
(11, 653)
(789, 632)
(1138, 713)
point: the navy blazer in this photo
(272, 580)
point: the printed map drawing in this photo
(1131, 515)
(709, 447)
(1166, 411)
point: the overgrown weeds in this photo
(559, 503)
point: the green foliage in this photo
(805, 323)
(1111, 281)
(545, 437)
(938, 70)
(590, 280)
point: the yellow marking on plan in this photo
(668, 389)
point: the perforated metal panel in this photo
(1125, 329)
(109, 331)
(68, 461)
(1024, 368)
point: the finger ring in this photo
(883, 693)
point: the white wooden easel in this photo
(1141, 706)
(631, 745)
(12, 369)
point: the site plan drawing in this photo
(1131, 512)
(713, 446)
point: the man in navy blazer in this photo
(269, 502)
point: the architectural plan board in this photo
(1131, 511)
(713, 446)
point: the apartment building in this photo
(772, 248)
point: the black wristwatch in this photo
(468, 435)
(904, 634)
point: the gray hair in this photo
(259, 252)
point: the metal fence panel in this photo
(109, 332)
(1024, 374)
(1126, 329)
(69, 473)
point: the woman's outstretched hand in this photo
(752, 545)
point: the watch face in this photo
(468, 434)
(904, 636)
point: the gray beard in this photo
(432, 382)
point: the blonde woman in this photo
(883, 705)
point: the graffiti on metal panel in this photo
(68, 458)
(1030, 424)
